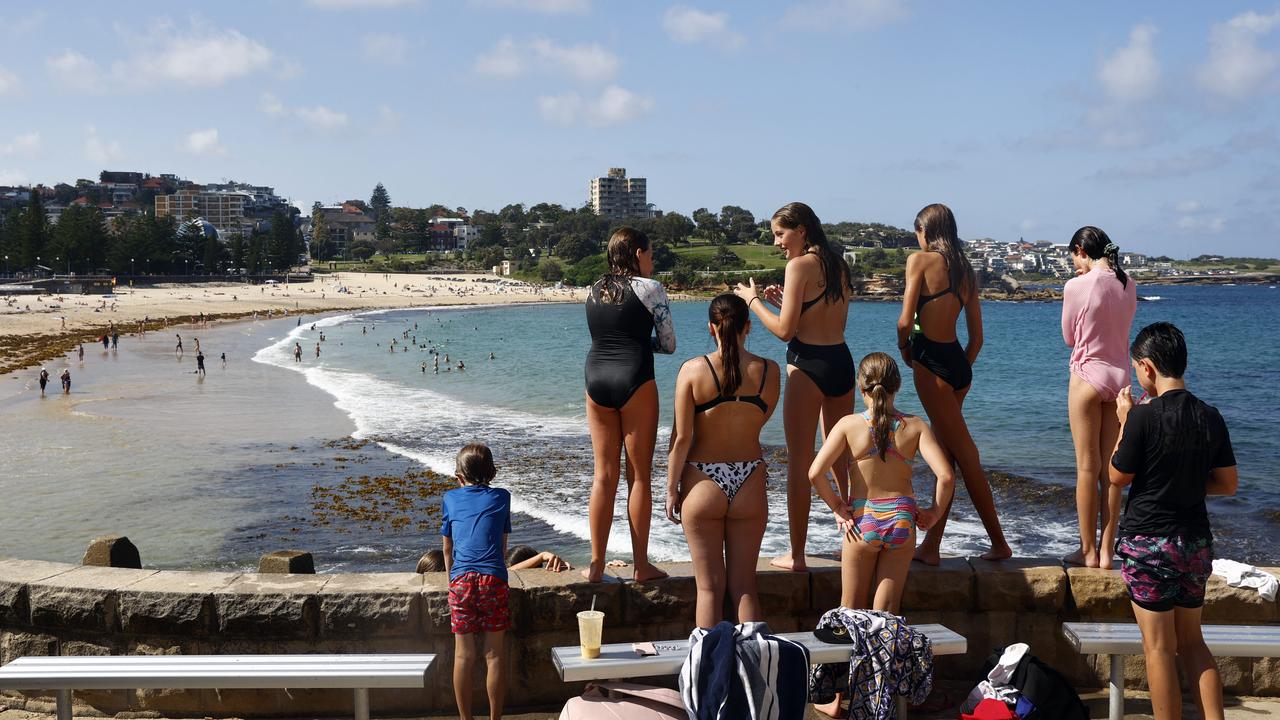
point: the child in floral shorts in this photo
(477, 520)
(1172, 452)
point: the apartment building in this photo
(617, 196)
(223, 210)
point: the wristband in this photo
(757, 297)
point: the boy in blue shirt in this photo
(1173, 451)
(477, 520)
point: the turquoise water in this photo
(527, 403)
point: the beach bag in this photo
(625, 701)
(1039, 691)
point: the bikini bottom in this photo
(829, 366)
(944, 359)
(885, 522)
(730, 476)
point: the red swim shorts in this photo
(478, 603)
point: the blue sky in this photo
(1156, 121)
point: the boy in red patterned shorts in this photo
(477, 520)
(1173, 451)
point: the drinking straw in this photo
(593, 602)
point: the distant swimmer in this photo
(364, 330)
(66, 381)
(424, 372)
(44, 378)
(297, 352)
(200, 363)
(82, 351)
(317, 349)
(491, 357)
(224, 361)
(115, 339)
(197, 345)
(106, 341)
(461, 365)
(178, 348)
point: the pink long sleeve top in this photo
(1097, 316)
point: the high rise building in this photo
(225, 210)
(618, 196)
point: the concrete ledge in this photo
(57, 609)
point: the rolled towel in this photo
(1238, 574)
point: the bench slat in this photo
(619, 660)
(1126, 639)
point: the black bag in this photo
(1052, 697)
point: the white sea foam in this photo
(1152, 297)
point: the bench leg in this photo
(362, 704)
(64, 705)
(902, 706)
(1116, 688)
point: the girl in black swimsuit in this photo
(941, 366)
(624, 310)
(814, 304)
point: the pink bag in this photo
(625, 701)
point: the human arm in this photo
(546, 559)
(448, 554)
(1125, 456)
(910, 296)
(784, 323)
(833, 446)
(940, 463)
(1223, 478)
(654, 297)
(681, 439)
(1070, 311)
(973, 322)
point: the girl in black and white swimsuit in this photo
(716, 480)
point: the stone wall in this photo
(56, 609)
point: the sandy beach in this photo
(34, 328)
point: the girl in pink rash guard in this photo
(1097, 314)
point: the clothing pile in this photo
(1025, 687)
(734, 672)
(624, 701)
(889, 658)
(1238, 574)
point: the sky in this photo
(1156, 121)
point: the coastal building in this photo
(347, 224)
(225, 210)
(617, 196)
(464, 235)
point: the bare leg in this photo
(464, 658)
(495, 680)
(944, 407)
(1160, 646)
(1084, 410)
(858, 562)
(639, 434)
(605, 425)
(1198, 665)
(702, 514)
(744, 530)
(832, 410)
(801, 405)
(1110, 515)
(891, 576)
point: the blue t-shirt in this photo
(476, 517)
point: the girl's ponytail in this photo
(728, 315)
(1097, 245)
(878, 377)
(1112, 253)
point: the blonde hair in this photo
(879, 378)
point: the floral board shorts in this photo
(478, 603)
(1163, 572)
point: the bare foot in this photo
(1003, 552)
(647, 572)
(787, 562)
(1081, 558)
(594, 572)
(831, 709)
(1105, 561)
(928, 556)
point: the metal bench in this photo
(618, 660)
(124, 672)
(1120, 639)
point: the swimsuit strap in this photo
(809, 303)
(763, 376)
(873, 451)
(715, 377)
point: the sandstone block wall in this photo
(57, 609)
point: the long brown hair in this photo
(623, 264)
(939, 227)
(1096, 245)
(475, 465)
(835, 271)
(728, 314)
(878, 377)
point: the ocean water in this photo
(335, 454)
(527, 404)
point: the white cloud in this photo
(1027, 225)
(359, 4)
(691, 26)
(844, 14)
(1188, 206)
(586, 63)
(503, 61)
(203, 142)
(99, 150)
(545, 7)
(26, 144)
(202, 56)
(8, 81)
(12, 177)
(614, 106)
(1237, 67)
(385, 48)
(389, 121)
(1132, 73)
(1201, 225)
(322, 118)
(271, 105)
(75, 71)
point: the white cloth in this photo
(1238, 574)
(997, 685)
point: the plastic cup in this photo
(590, 628)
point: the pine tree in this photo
(34, 233)
(380, 204)
(320, 249)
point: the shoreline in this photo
(33, 331)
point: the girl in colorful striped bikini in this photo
(879, 523)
